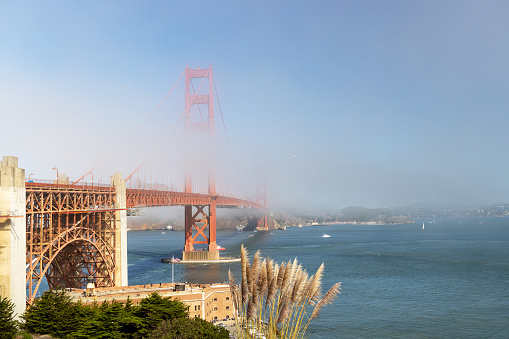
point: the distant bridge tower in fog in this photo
(200, 217)
(261, 199)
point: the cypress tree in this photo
(51, 314)
(154, 309)
(8, 326)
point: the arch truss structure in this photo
(70, 234)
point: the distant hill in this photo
(393, 215)
(436, 210)
(225, 221)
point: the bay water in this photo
(448, 280)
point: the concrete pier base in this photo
(13, 233)
(120, 230)
(200, 255)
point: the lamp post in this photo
(54, 168)
(30, 176)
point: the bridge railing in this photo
(48, 182)
(90, 184)
(151, 187)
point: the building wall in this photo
(218, 303)
(207, 301)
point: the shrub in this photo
(154, 309)
(8, 326)
(186, 328)
(24, 335)
(51, 314)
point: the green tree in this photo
(130, 324)
(154, 309)
(115, 320)
(8, 326)
(51, 314)
(186, 328)
(103, 323)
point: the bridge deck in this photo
(142, 197)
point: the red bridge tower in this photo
(261, 199)
(200, 154)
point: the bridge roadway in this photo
(150, 198)
(86, 194)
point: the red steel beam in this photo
(144, 198)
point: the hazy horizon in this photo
(343, 103)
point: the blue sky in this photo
(372, 103)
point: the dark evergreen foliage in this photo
(186, 328)
(115, 320)
(55, 314)
(154, 309)
(51, 314)
(8, 326)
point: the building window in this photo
(227, 298)
(227, 307)
(198, 307)
(215, 308)
(215, 318)
(215, 299)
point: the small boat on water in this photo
(325, 236)
(163, 232)
(170, 260)
(220, 248)
(422, 225)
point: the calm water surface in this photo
(449, 280)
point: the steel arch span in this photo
(70, 236)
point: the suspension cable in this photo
(143, 123)
(221, 112)
(227, 138)
(171, 90)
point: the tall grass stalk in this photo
(277, 301)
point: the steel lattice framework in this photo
(70, 230)
(70, 234)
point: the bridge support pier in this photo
(12, 233)
(118, 183)
(200, 218)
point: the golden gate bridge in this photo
(65, 231)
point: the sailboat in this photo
(422, 225)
